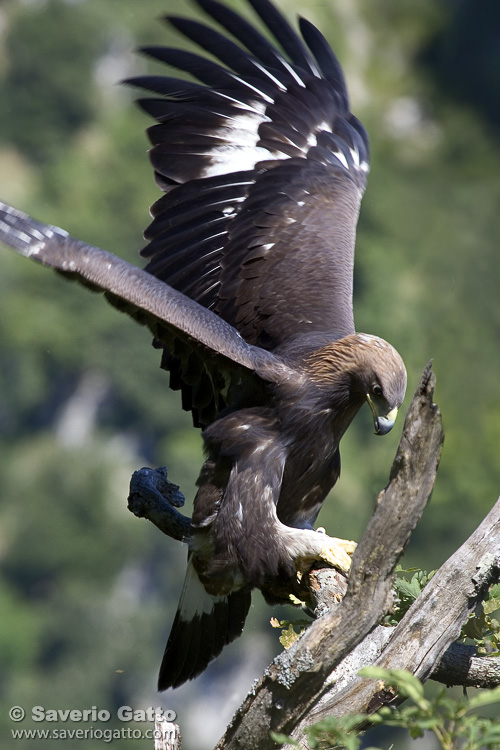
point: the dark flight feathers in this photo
(263, 167)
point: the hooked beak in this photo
(383, 422)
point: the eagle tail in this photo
(203, 625)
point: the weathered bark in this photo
(459, 665)
(167, 735)
(317, 676)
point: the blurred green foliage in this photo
(87, 592)
(456, 724)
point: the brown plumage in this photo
(248, 291)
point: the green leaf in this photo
(283, 739)
(416, 732)
(408, 588)
(491, 735)
(484, 698)
(494, 592)
(374, 673)
(492, 601)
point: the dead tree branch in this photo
(423, 642)
(459, 665)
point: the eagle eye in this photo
(377, 390)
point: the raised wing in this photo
(210, 354)
(263, 167)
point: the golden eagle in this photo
(248, 291)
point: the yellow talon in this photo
(337, 552)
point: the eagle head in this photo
(380, 375)
(361, 367)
